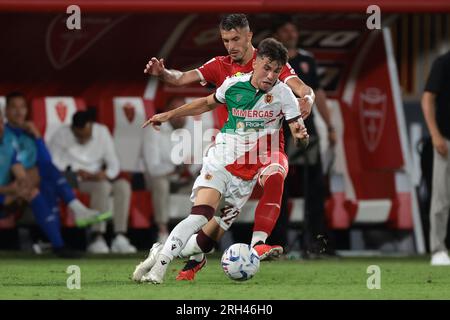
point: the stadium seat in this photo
(141, 210)
(124, 116)
(50, 113)
(8, 222)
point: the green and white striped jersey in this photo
(253, 115)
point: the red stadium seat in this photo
(124, 117)
(50, 113)
(8, 222)
(141, 210)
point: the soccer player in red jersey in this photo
(236, 37)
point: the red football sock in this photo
(268, 208)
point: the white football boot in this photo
(157, 273)
(145, 266)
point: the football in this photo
(240, 262)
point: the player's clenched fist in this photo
(157, 119)
(306, 104)
(154, 67)
(300, 131)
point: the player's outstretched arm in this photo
(306, 94)
(299, 132)
(195, 107)
(155, 67)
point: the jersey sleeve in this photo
(209, 72)
(290, 107)
(287, 73)
(219, 96)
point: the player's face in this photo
(288, 35)
(83, 135)
(16, 111)
(265, 72)
(237, 42)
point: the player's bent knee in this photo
(273, 169)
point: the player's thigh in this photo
(237, 195)
(278, 163)
(207, 196)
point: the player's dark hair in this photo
(274, 50)
(12, 95)
(81, 118)
(234, 21)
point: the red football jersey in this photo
(216, 70)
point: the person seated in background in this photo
(160, 168)
(16, 189)
(35, 158)
(87, 149)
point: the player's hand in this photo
(306, 104)
(157, 119)
(99, 176)
(84, 175)
(155, 67)
(300, 131)
(440, 145)
(30, 127)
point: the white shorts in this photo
(234, 190)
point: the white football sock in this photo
(197, 257)
(258, 236)
(191, 247)
(181, 233)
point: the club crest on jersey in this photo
(208, 176)
(268, 98)
(239, 97)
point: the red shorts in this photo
(276, 161)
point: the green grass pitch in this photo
(31, 277)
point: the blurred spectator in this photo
(435, 106)
(15, 188)
(87, 149)
(160, 167)
(34, 156)
(313, 177)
